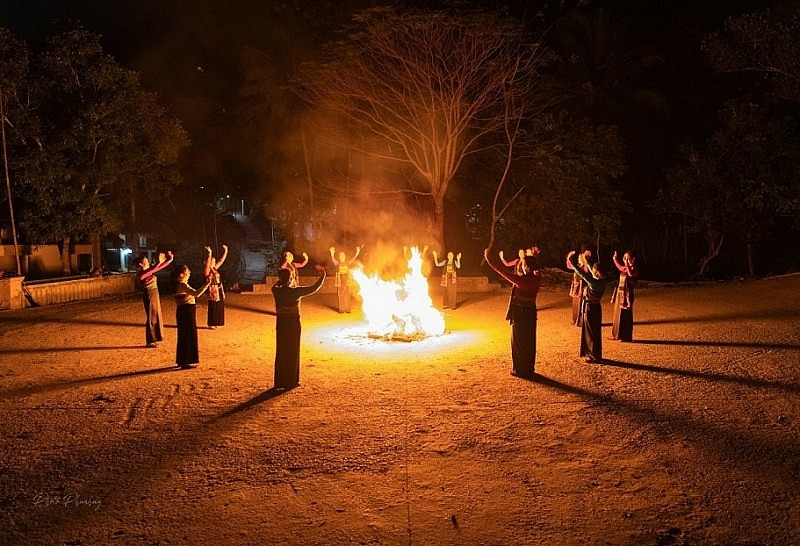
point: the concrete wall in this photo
(47, 293)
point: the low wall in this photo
(47, 293)
(465, 284)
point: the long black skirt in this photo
(216, 312)
(622, 324)
(577, 314)
(343, 295)
(591, 331)
(523, 339)
(153, 328)
(450, 293)
(186, 352)
(287, 351)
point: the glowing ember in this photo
(399, 310)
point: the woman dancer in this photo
(591, 310)
(216, 293)
(186, 351)
(449, 278)
(622, 298)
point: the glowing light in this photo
(399, 310)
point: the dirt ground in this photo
(689, 435)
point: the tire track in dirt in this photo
(144, 412)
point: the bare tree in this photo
(432, 87)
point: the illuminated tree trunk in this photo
(65, 266)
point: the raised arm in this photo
(224, 255)
(436, 259)
(569, 260)
(207, 262)
(335, 262)
(163, 261)
(507, 263)
(620, 266)
(304, 262)
(457, 261)
(352, 260)
(513, 279)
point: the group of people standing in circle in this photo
(186, 352)
(586, 290)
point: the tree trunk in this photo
(438, 222)
(97, 257)
(750, 264)
(309, 178)
(65, 266)
(714, 247)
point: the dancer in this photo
(622, 298)
(342, 279)
(449, 278)
(522, 314)
(287, 326)
(518, 266)
(578, 287)
(216, 293)
(146, 275)
(591, 310)
(187, 354)
(289, 263)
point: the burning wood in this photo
(402, 310)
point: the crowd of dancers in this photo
(587, 288)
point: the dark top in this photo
(527, 285)
(596, 287)
(287, 299)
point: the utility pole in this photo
(8, 180)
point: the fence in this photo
(63, 291)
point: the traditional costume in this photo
(288, 329)
(522, 316)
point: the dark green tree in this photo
(763, 45)
(104, 145)
(14, 116)
(567, 192)
(741, 186)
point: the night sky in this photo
(194, 55)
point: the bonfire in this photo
(399, 310)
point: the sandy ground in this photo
(689, 435)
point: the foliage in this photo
(569, 198)
(764, 45)
(100, 144)
(742, 184)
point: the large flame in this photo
(399, 310)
